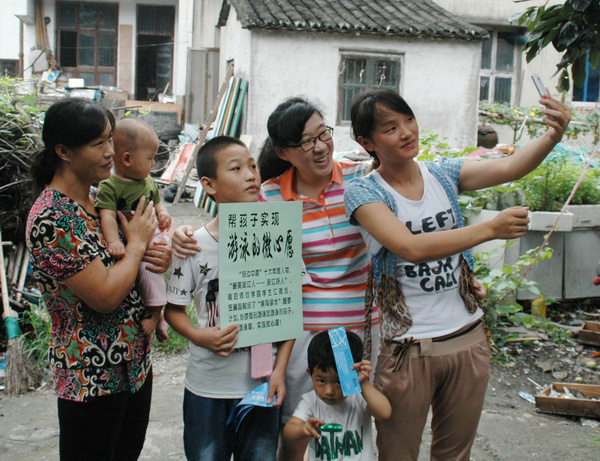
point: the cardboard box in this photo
(570, 407)
(156, 106)
(590, 333)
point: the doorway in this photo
(154, 56)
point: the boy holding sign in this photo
(338, 426)
(217, 376)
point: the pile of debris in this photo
(19, 140)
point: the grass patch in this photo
(176, 342)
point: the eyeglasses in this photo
(310, 143)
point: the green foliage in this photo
(573, 28)
(500, 305)
(432, 148)
(515, 116)
(20, 121)
(548, 186)
(176, 342)
(37, 339)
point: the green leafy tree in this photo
(573, 28)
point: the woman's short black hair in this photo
(285, 126)
(364, 112)
(71, 122)
(206, 160)
(320, 352)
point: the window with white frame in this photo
(361, 72)
(497, 77)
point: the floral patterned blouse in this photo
(91, 354)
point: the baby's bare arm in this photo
(110, 229)
(164, 218)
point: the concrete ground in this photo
(510, 429)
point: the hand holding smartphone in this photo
(542, 90)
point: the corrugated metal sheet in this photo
(406, 18)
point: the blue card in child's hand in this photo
(257, 397)
(344, 361)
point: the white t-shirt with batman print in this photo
(347, 434)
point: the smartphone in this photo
(539, 85)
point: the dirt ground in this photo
(511, 428)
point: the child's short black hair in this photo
(320, 352)
(206, 161)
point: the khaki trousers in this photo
(449, 375)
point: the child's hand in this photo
(277, 388)
(363, 369)
(480, 290)
(218, 341)
(150, 321)
(164, 220)
(312, 427)
(116, 249)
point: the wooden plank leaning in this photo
(200, 142)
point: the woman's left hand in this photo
(479, 289)
(159, 257)
(557, 117)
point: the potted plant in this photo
(575, 240)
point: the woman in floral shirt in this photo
(98, 353)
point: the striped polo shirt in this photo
(333, 250)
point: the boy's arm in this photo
(296, 436)
(277, 378)
(219, 342)
(110, 229)
(180, 321)
(377, 404)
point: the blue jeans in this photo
(206, 435)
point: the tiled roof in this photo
(405, 18)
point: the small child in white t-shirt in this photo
(337, 427)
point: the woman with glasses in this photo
(296, 164)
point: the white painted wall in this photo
(490, 13)
(439, 78)
(237, 46)
(127, 16)
(206, 15)
(10, 26)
